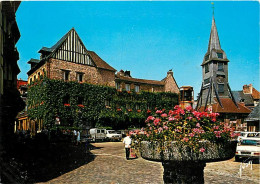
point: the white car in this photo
(248, 134)
(112, 135)
(248, 148)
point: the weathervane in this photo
(212, 7)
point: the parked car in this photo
(248, 134)
(97, 134)
(113, 135)
(248, 148)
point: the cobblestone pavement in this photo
(110, 167)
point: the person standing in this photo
(127, 141)
(78, 137)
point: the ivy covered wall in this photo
(81, 104)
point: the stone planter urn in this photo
(183, 165)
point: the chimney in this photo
(127, 73)
(248, 89)
(170, 72)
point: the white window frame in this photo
(137, 88)
(127, 87)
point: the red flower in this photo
(138, 110)
(148, 111)
(119, 109)
(67, 105)
(80, 105)
(129, 110)
(202, 150)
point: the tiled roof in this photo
(100, 63)
(239, 95)
(143, 81)
(228, 107)
(254, 115)
(255, 94)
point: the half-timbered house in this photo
(69, 60)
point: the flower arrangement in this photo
(185, 126)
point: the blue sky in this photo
(148, 38)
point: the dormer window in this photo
(220, 55)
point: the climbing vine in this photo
(81, 104)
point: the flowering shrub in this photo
(186, 126)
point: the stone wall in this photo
(91, 74)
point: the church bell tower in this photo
(214, 73)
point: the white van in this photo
(97, 134)
(113, 135)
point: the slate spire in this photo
(213, 39)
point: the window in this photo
(107, 102)
(221, 88)
(30, 80)
(220, 66)
(39, 75)
(206, 57)
(34, 77)
(137, 89)
(137, 106)
(206, 81)
(128, 106)
(80, 77)
(127, 87)
(66, 74)
(43, 71)
(206, 68)
(220, 55)
(66, 99)
(117, 86)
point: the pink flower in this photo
(191, 134)
(164, 115)
(150, 118)
(202, 150)
(156, 121)
(189, 118)
(198, 125)
(189, 108)
(165, 128)
(158, 112)
(160, 129)
(171, 118)
(185, 139)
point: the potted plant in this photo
(184, 140)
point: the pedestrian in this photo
(74, 136)
(78, 137)
(127, 141)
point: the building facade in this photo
(10, 101)
(124, 80)
(69, 60)
(215, 90)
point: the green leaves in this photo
(49, 98)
